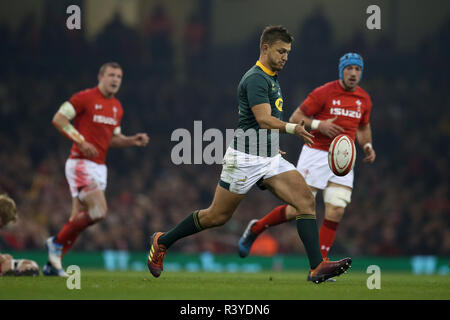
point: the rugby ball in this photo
(341, 155)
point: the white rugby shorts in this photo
(240, 170)
(313, 165)
(81, 173)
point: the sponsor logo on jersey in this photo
(345, 113)
(336, 102)
(359, 103)
(279, 104)
(105, 120)
(98, 107)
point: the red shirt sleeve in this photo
(366, 116)
(120, 117)
(315, 102)
(78, 101)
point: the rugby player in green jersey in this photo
(253, 158)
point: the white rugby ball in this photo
(341, 155)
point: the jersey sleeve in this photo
(118, 128)
(78, 101)
(314, 103)
(257, 90)
(366, 116)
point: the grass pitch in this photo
(104, 285)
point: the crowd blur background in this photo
(182, 62)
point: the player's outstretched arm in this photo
(364, 137)
(265, 120)
(61, 121)
(298, 115)
(326, 127)
(122, 141)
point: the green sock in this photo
(307, 230)
(188, 226)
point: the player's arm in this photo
(326, 127)
(120, 140)
(61, 121)
(298, 116)
(263, 116)
(364, 137)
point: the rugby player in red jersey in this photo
(340, 106)
(96, 116)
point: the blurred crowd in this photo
(400, 204)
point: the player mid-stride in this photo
(96, 116)
(253, 159)
(339, 106)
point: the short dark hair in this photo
(113, 65)
(273, 33)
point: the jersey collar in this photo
(265, 69)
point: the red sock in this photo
(326, 236)
(72, 229)
(276, 216)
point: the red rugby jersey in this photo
(352, 109)
(96, 119)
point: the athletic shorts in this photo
(81, 173)
(240, 171)
(313, 165)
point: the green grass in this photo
(99, 284)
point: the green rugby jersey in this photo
(258, 85)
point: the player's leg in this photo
(69, 232)
(88, 208)
(91, 210)
(291, 187)
(336, 198)
(277, 216)
(87, 182)
(307, 165)
(218, 213)
(255, 227)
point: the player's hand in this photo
(328, 128)
(370, 154)
(87, 149)
(301, 132)
(141, 139)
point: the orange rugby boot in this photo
(328, 269)
(156, 255)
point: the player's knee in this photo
(97, 212)
(337, 196)
(87, 191)
(306, 204)
(222, 219)
(291, 212)
(216, 218)
(334, 213)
